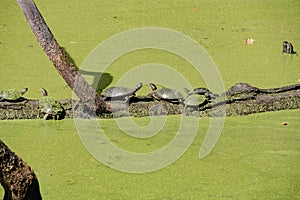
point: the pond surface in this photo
(256, 156)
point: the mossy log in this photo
(240, 99)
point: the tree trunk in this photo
(17, 178)
(60, 58)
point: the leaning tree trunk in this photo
(59, 57)
(17, 178)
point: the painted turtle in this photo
(49, 106)
(203, 91)
(12, 94)
(241, 88)
(120, 93)
(288, 48)
(241, 91)
(200, 91)
(193, 99)
(166, 94)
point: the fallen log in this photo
(240, 99)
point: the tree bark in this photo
(60, 58)
(17, 178)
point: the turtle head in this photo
(138, 86)
(24, 91)
(44, 92)
(187, 91)
(153, 87)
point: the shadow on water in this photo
(100, 80)
(104, 79)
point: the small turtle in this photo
(120, 93)
(49, 106)
(242, 88)
(210, 96)
(12, 94)
(288, 48)
(200, 90)
(203, 91)
(166, 94)
(241, 91)
(194, 100)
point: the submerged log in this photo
(240, 99)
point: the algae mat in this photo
(221, 27)
(256, 157)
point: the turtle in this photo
(200, 90)
(12, 94)
(193, 99)
(49, 106)
(241, 91)
(120, 93)
(242, 88)
(166, 94)
(203, 91)
(288, 48)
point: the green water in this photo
(255, 158)
(221, 27)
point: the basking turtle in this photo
(203, 91)
(12, 94)
(49, 106)
(194, 100)
(200, 91)
(241, 91)
(242, 88)
(288, 48)
(120, 93)
(166, 94)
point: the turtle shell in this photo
(194, 100)
(117, 91)
(50, 106)
(242, 88)
(120, 92)
(200, 91)
(12, 94)
(167, 94)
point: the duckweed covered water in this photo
(256, 157)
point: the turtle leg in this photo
(127, 98)
(184, 109)
(45, 116)
(187, 91)
(104, 98)
(180, 101)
